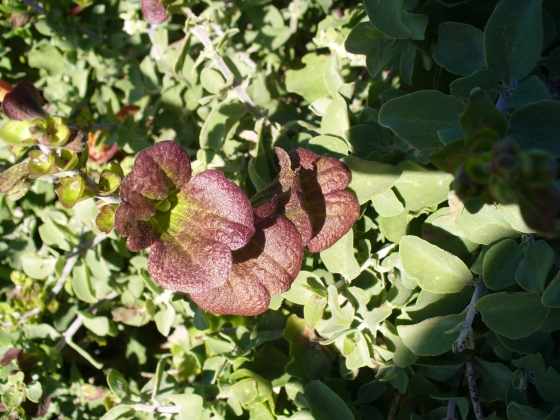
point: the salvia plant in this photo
(265, 209)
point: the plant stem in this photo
(35, 6)
(465, 338)
(473, 388)
(452, 404)
(155, 409)
(78, 322)
(294, 16)
(394, 406)
(238, 87)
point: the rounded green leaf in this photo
(211, 80)
(500, 264)
(37, 266)
(514, 315)
(370, 178)
(459, 48)
(430, 337)
(418, 117)
(533, 269)
(551, 296)
(482, 78)
(117, 383)
(536, 126)
(435, 270)
(328, 146)
(513, 38)
(390, 18)
(325, 404)
(420, 187)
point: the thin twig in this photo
(35, 6)
(238, 87)
(155, 409)
(79, 321)
(473, 388)
(465, 339)
(294, 16)
(394, 406)
(452, 403)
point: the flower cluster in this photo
(205, 238)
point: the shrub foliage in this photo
(280, 209)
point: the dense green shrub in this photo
(410, 146)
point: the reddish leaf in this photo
(154, 11)
(266, 266)
(193, 235)
(23, 103)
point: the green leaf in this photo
(435, 270)
(402, 355)
(117, 383)
(333, 77)
(551, 296)
(496, 378)
(459, 48)
(339, 317)
(514, 315)
(309, 81)
(517, 411)
(340, 258)
(387, 204)
(418, 117)
(500, 264)
(328, 146)
(164, 319)
(431, 337)
(314, 309)
(97, 324)
(535, 126)
(377, 62)
(40, 331)
(513, 39)
(81, 283)
(390, 18)
(480, 112)
(38, 266)
(336, 122)
(529, 90)
(14, 181)
(219, 123)
(191, 406)
(482, 78)
(325, 404)
(34, 392)
(553, 60)
(211, 80)
(295, 333)
(358, 42)
(407, 61)
(483, 227)
(547, 384)
(533, 269)
(420, 187)
(121, 411)
(370, 178)
(317, 364)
